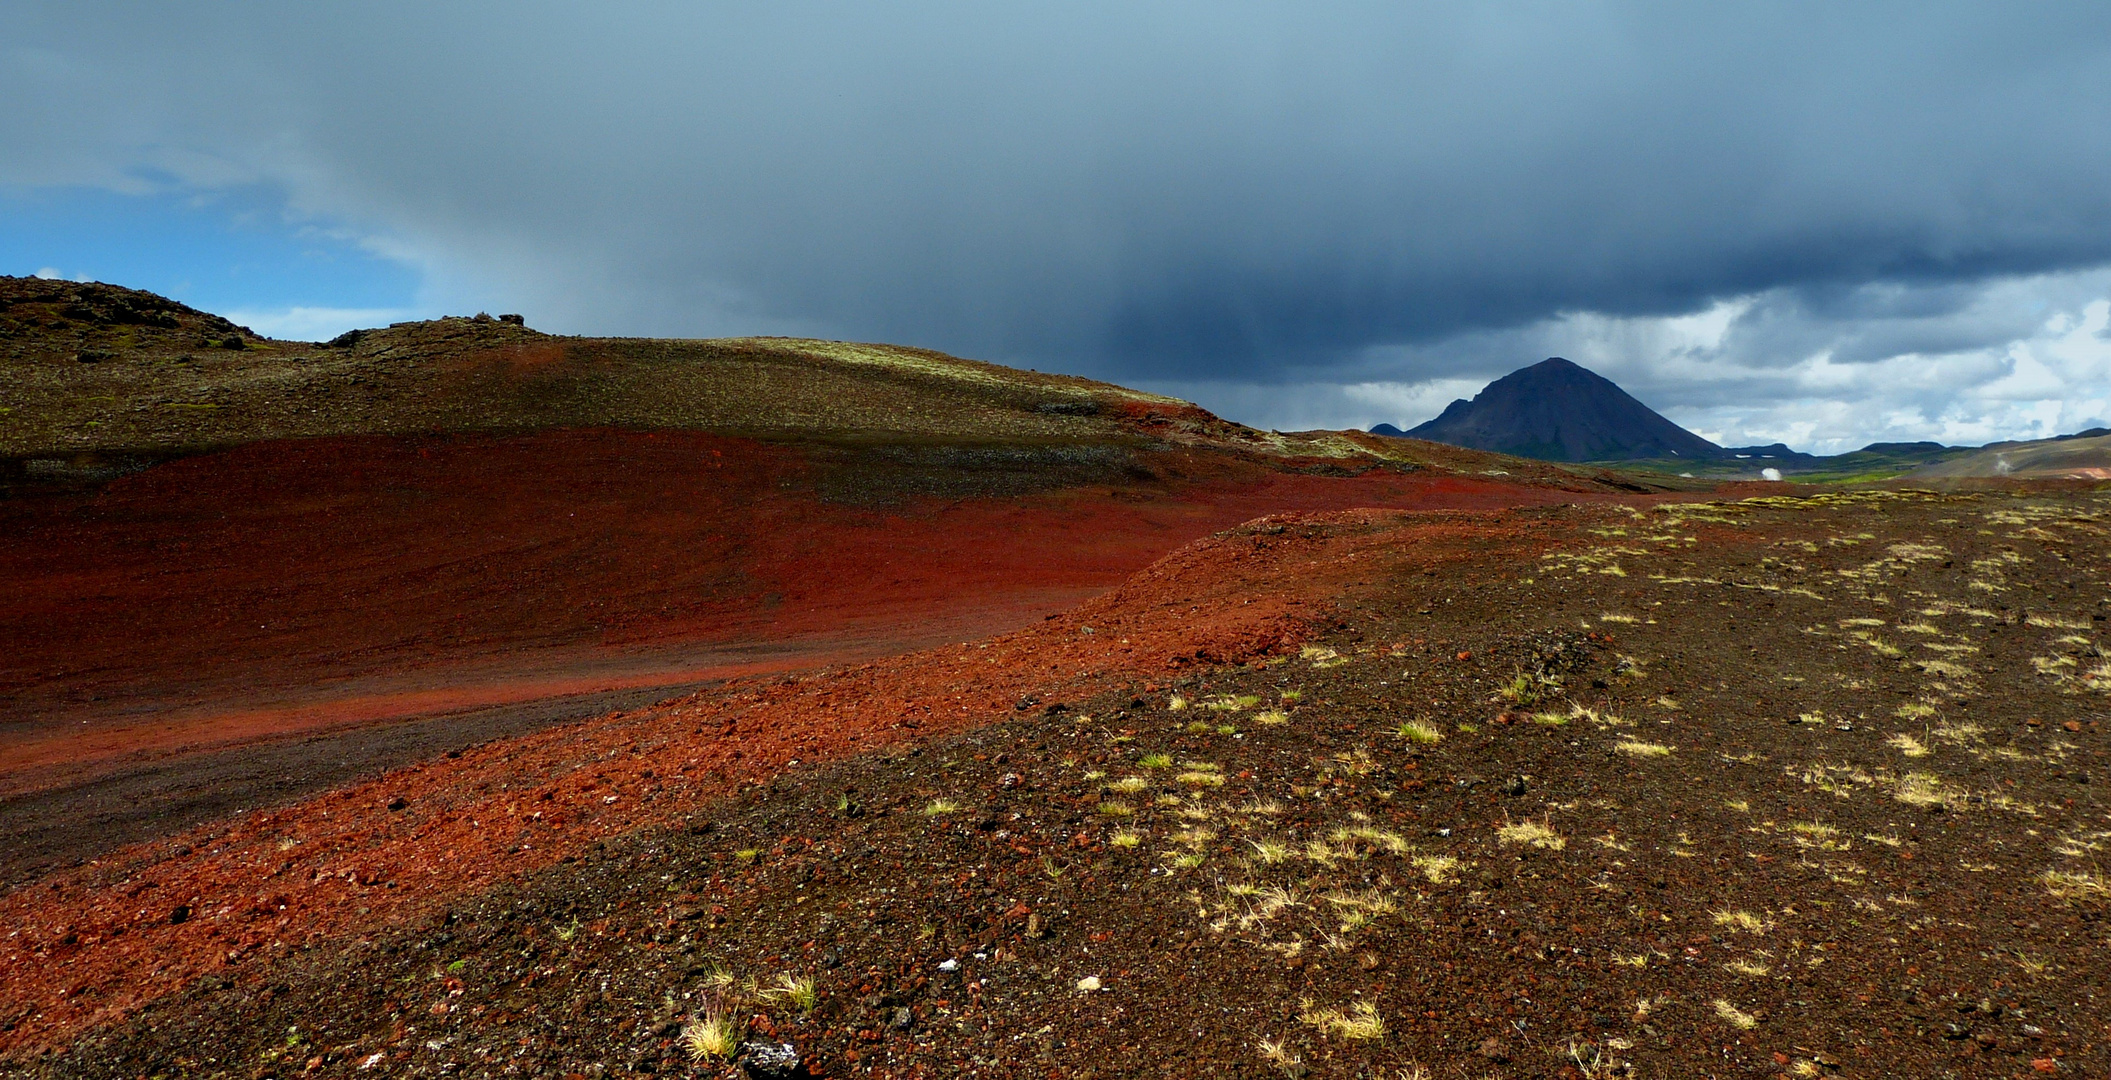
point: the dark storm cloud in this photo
(1143, 192)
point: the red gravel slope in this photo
(281, 589)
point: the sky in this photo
(1820, 224)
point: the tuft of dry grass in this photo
(1359, 1022)
(2058, 622)
(1638, 748)
(1607, 720)
(1286, 1061)
(1371, 901)
(1437, 868)
(712, 1038)
(1527, 688)
(1347, 836)
(1944, 669)
(1922, 789)
(1415, 731)
(1531, 833)
(2073, 885)
(1743, 921)
(1736, 1017)
(799, 992)
(1269, 851)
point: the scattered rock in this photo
(1089, 983)
(1493, 1049)
(772, 1061)
(182, 914)
(1068, 408)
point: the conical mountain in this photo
(1558, 411)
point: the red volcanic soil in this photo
(285, 589)
(375, 852)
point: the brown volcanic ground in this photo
(1795, 786)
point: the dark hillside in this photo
(1557, 411)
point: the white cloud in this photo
(1320, 405)
(1343, 216)
(2013, 358)
(317, 323)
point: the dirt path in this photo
(66, 826)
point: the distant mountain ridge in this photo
(1558, 411)
(2084, 455)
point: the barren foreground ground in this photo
(1803, 786)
